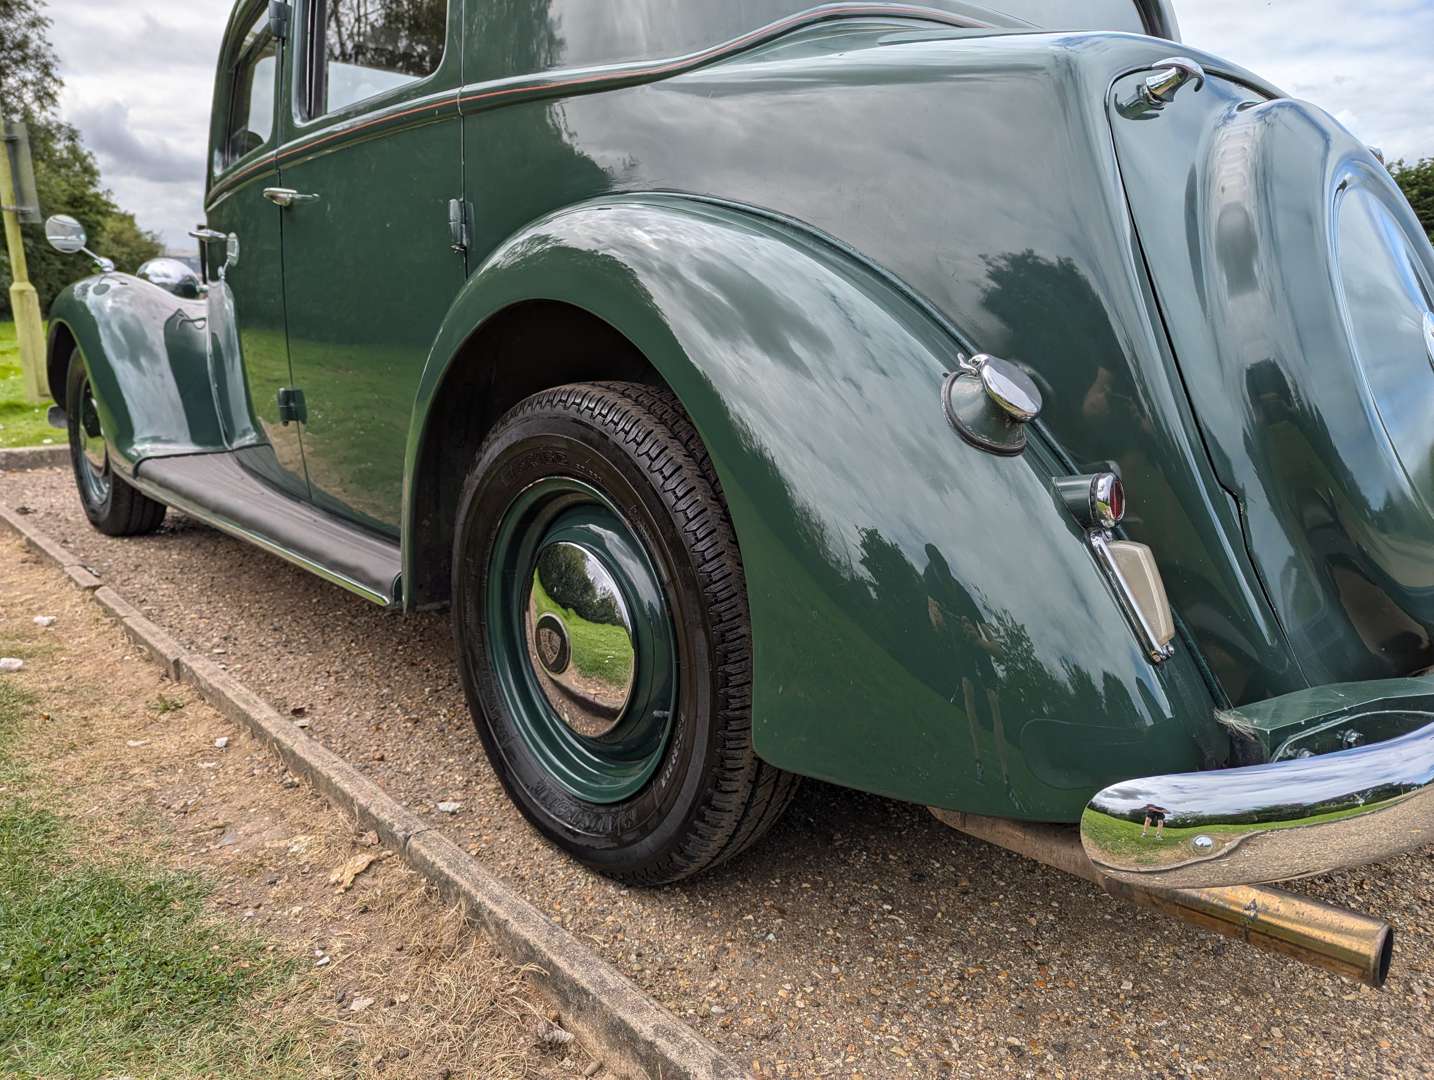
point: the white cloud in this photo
(139, 77)
(138, 81)
(1370, 64)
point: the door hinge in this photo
(279, 12)
(458, 226)
(291, 405)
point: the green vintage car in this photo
(993, 406)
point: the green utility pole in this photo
(24, 300)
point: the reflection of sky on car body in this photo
(139, 76)
(840, 481)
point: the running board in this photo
(217, 490)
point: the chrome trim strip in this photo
(1265, 823)
(169, 498)
(584, 79)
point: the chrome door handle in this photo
(282, 196)
(1170, 75)
(207, 236)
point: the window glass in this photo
(367, 47)
(251, 109)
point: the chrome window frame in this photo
(309, 65)
(244, 51)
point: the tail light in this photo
(1097, 501)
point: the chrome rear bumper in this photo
(1264, 823)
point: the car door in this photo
(371, 162)
(243, 257)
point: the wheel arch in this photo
(519, 350)
(60, 344)
(895, 649)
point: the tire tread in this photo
(746, 795)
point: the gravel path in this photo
(861, 938)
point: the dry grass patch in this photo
(311, 974)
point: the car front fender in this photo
(147, 357)
(928, 621)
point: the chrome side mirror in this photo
(66, 235)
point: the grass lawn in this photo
(1123, 837)
(109, 964)
(168, 899)
(21, 423)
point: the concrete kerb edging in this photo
(24, 458)
(636, 1036)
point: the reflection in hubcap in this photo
(553, 647)
(580, 638)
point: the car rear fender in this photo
(928, 622)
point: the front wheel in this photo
(113, 506)
(601, 617)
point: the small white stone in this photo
(359, 1004)
(44, 620)
(221, 742)
(135, 744)
(449, 807)
(11, 663)
(209, 764)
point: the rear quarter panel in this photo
(928, 621)
(978, 169)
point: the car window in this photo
(251, 107)
(361, 48)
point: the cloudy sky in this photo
(139, 74)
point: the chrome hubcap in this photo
(580, 638)
(581, 643)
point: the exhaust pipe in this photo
(1348, 943)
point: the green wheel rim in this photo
(589, 675)
(87, 442)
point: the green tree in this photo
(66, 174)
(1417, 182)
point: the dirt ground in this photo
(390, 982)
(859, 939)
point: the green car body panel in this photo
(893, 652)
(1317, 413)
(799, 232)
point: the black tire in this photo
(710, 796)
(113, 506)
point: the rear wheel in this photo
(601, 616)
(112, 504)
